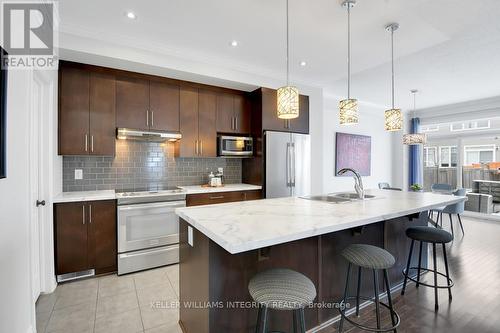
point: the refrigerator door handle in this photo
(292, 163)
(288, 181)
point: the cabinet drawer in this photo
(221, 197)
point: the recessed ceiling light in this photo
(131, 15)
(234, 43)
(303, 63)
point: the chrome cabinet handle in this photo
(90, 213)
(152, 118)
(147, 118)
(235, 123)
(92, 143)
(83, 214)
(86, 142)
(196, 147)
(201, 147)
(217, 197)
(292, 165)
(288, 182)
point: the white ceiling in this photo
(448, 49)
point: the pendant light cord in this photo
(392, 64)
(287, 48)
(348, 50)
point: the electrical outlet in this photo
(78, 174)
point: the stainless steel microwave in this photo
(235, 146)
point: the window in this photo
(430, 156)
(429, 128)
(448, 156)
(479, 154)
(470, 125)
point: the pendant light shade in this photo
(414, 138)
(348, 108)
(393, 116)
(287, 96)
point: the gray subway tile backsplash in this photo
(140, 165)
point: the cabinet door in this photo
(252, 195)
(225, 113)
(71, 237)
(132, 103)
(270, 120)
(73, 111)
(164, 106)
(188, 122)
(102, 114)
(213, 198)
(207, 132)
(301, 124)
(241, 114)
(102, 236)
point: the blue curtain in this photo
(416, 172)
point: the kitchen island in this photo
(223, 246)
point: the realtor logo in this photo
(28, 28)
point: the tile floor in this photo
(139, 302)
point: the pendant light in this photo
(348, 108)
(288, 96)
(414, 138)
(393, 116)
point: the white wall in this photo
(16, 308)
(371, 122)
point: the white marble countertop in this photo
(247, 225)
(84, 196)
(197, 189)
(110, 194)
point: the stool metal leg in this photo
(302, 321)
(407, 267)
(441, 218)
(451, 224)
(341, 324)
(436, 306)
(419, 264)
(263, 324)
(461, 226)
(259, 319)
(377, 301)
(447, 270)
(389, 298)
(357, 291)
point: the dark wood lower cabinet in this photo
(221, 197)
(85, 236)
(208, 273)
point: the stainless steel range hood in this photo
(153, 136)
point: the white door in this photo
(36, 181)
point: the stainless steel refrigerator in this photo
(288, 164)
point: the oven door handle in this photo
(172, 204)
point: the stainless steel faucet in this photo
(358, 182)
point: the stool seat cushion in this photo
(429, 234)
(368, 256)
(282, 289)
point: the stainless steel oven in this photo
(236, 146)
(148, 230)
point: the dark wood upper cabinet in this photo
(225, 113)
(132, 103)
(73, 111)
(207, 133)
(102, 236)
(301, 124)
(102, 114)
(164, 106)
(188, 145)
(85, 236)
(242, 114)
(233, 114)
(71, 237)
(86, 112)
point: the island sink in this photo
(337, 197)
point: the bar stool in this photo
(434, 236)
(373, 258)
(281, 289)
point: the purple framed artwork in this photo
(353, 151)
